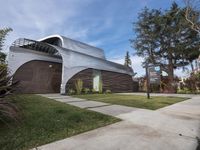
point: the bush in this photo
(155, 87)
(8, 111)
(79, 86)
(86, 90)
(192, 84)
(181, 91)
(108, 92)
(187, 91)
(93, 91)
(71, 92)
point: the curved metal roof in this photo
(36, 46)
(53, 45)
(74, 45)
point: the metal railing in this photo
(36, 46)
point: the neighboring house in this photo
(54, 63)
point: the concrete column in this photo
(68, 73)
(62, 89)
(63, 80)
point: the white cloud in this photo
(95, 43)
(35, 19)
(136, 64)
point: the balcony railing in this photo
(36, 46)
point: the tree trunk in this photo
(192, 66)
(171, 85)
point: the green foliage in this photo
(127, 61)
(79, 86)
(86, 90)
(154, 87)
(185, 91)
(192, 84)
(8, 111)
(166, 39)
(108, 92)
(3, 34)
(71, 92)
(2, 57)
(93, 91)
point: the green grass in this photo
(45, 120)
(154, 103)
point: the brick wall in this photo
(45, 77)
(116, 82)
(39, 77)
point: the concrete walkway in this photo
(171, 128)
(105, 108)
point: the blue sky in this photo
(106, 24)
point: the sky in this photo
(106, 24)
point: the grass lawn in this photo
(45, 120)
(154, 103)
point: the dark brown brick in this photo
(38, 77)
(116, 82)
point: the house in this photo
(54, 63)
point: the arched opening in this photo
(39, 77)
(85, 76)
(113, 81)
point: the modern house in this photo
(54, 63)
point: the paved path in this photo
(171, 128)
(105, 108)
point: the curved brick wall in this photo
(45, 77)
(39, 77)
(116, 82)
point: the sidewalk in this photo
(105, 108)
(171, 128)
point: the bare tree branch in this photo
(192, 14)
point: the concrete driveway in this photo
(175, 127)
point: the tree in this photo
(165, 38)
(127, 61)
(3, 33)
(7, 109)
(192, 14)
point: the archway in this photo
(113, 81)
(85, 75)
(39, 76)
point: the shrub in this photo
(86, 90)
(181, 91)
(71, 92)
(192, 84)
(155, 87)
(8, 111)
(185, 91)
(93, 91)
(108, 92)
(79, 86)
